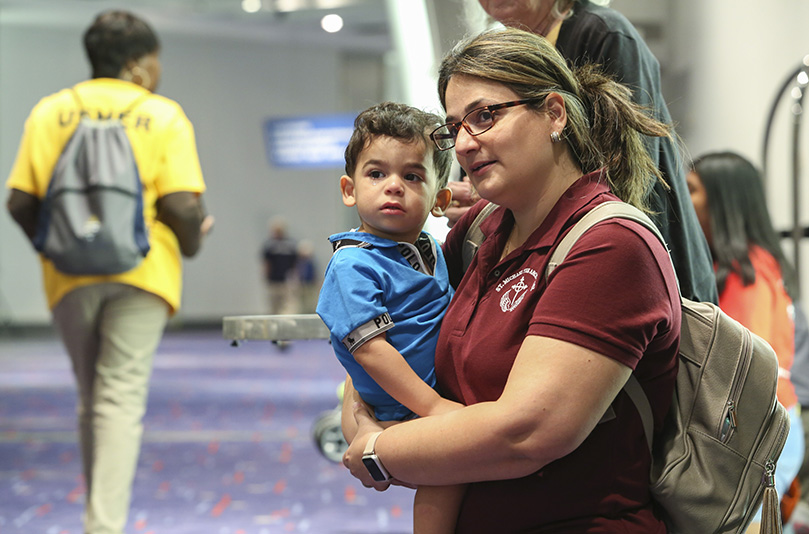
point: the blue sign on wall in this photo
(308, 142)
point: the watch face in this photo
(374, 469)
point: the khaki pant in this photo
(110, 332)
(283, 298)
(309, 295)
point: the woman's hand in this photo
(464, 196)
(352, 459)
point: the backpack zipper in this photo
(778, 443)
(770, 462)
(728, 425)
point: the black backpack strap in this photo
(135, 103)
(421, 254)
(78, 101)
(132, 105)
(474, 236)
(346, 243)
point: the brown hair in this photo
(605, 128)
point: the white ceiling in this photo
(366, 23)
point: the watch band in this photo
(369, 446)
(372, 462)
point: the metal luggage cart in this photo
(280, 330)
(275, 328)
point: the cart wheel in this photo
(329, 436)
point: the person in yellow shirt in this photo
(111, 325)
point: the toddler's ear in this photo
(442, 200)
(347, 189)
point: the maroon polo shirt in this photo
(616, 294)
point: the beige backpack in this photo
(725, 430)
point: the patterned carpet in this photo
(228, 446)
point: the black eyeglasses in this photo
(475, 122)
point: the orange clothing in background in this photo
(766, 310)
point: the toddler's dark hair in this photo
(401, 122)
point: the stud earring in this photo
(555, 137)
(139, 76)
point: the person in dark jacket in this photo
(584, 32)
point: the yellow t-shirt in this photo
(163, 142)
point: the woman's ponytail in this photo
(617, 130)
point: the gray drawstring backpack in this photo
(91, 220)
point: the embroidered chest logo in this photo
(515, 288)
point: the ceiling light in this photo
(290, 5)
(251, 6)
(332, 23)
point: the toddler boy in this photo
(386, 287)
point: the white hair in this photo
(477, 20)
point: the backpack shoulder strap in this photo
(136, 102)
(349, 243)
(78, 100)
(641, 402)
(603, 212)
(474, 235)
(132, 105)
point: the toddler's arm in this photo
(391, 371)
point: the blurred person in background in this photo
(757, 283)
(280, 254)
(111, 325)
(586, 32)
(308, 277)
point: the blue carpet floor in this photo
(227, 449)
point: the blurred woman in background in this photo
(756, 282)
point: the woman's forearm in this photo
(508, 438)
(548, 408)
(448, 450)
